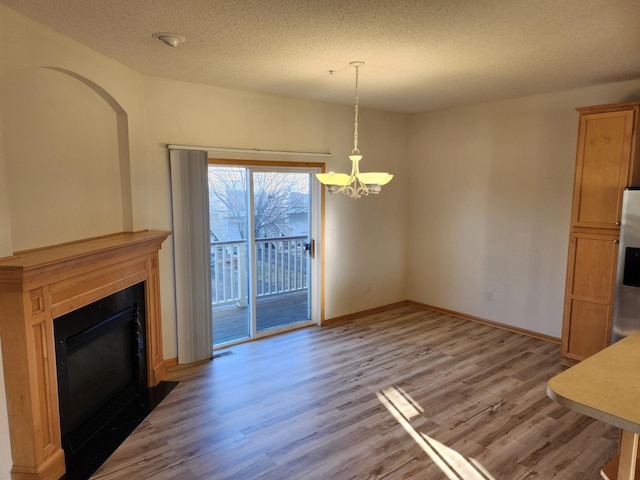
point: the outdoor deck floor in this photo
(230, 321)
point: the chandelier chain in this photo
(355, 123)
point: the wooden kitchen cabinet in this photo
(604, 166)
(606, 163)
(588, 308)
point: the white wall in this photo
(5, 218)
(30, 57)
(63, 182)
(491, 189)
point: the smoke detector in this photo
(171, 39)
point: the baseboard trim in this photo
(173, 366)
(490, 323)
(362, 313)
(171, 363)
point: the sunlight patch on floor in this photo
(454, 465)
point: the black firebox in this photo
(101, 364)
(102, 378)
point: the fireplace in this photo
(47, 300)
(101, 364)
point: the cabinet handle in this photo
(616, 242)
(618, 224)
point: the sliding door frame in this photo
(318, 227)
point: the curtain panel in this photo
(192, 256)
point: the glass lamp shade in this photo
(375, 178)
(340, 179)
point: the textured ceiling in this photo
(419, 55)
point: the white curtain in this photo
(190, 198)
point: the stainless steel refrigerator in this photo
(626, 310)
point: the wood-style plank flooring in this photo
(402, 394)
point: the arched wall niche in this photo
(67, 158)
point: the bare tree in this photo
(274, 203)
(229, 185)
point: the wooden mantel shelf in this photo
(39, 261)
(37, 286)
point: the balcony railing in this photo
(281, 267)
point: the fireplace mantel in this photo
(37, 286)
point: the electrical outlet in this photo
(488, 295)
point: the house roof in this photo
(419, 55)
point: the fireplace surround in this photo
(38, 286)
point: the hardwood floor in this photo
(402, 394)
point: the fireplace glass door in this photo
(101, 363)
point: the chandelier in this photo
(357, 183)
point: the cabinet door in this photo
(589, 295)
(602, 168)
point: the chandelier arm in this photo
(355, 188)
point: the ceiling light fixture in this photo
(170, 39)
(356, 184)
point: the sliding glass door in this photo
(263, 226)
